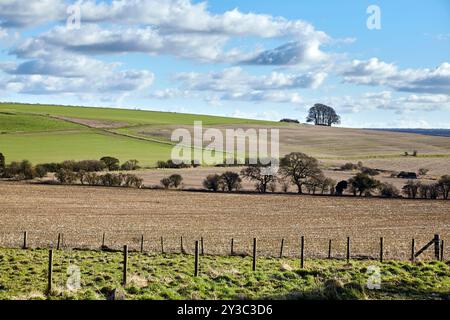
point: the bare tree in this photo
(259, 174)
(298, 167)
(323, 115)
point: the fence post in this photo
(103, 240)
(201, 246)
(442, 250)
(181, 245)
(232, 246)
(329, 249)
(281, 249)
(162, 245)
(25, 236)
(302, 252)
(142, 243)
(381, 249)
(254, 255)
(413, 249)
(125, 263)
(437, 246)
(59, 241)
(196, 260)
(348, 249)
(50, 272)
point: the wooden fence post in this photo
(103, 240)
(381, 249)
(281, 249)
(302, 252)
(442, 250)
(142, 243)
(181, 245)
(25, 236)
(59, 241)
(413, 249)
(437, 246)
(254, 255)
(125, 263)
(201, 246)
(348, 249)
(162, 245)
(196, 260)
(50, 272)
(329, 249)
(232, 246)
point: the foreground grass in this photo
(170, 276)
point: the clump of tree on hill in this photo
(65, 176)
(323, 115)
(173, 181)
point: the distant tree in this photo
(411, 188)
(27, 170)
(130, 165)
(260, 174)
(290, 121)
(111, 163)
(340, 187)
(2, 164)
(212, 182)
(230, 181)
(298, 167)
(323, 115)
(165, 182)
(444, 184)
(131, 180)
(388, 190)
(363, 184)
(65, 176)
(40, 171)
(175, 180)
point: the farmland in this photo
(83, 214)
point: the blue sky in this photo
(257, 59)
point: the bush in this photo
(340, 187)
(423, 171)
(175, 180)
(111, 180)
(130, 165)
(444, 184)
(290, 121)
(363, 184)
(165, 182)
(65, 176)
(388, 190)
(169, 164)
(41, 171)
(23, 170)
(370, 171)
(212, 182)
(411, 188)
(349, 167)
(131, 180)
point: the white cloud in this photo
(378, 73)
(26, 13)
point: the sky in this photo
(378, 63)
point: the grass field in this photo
(83, 214)
(42, 133)
(170, 276)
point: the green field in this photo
(37, 132)
(170, 276)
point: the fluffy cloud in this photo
(235, 84)
(378, 73)
(26, 13)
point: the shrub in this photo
(165, 182)
(111, 163)
(340, 187)
(212, 182)
(444, 183)
(92, 178)
(363, 184)
(40, 170)
(89, 166)
(423, 171)
(388, 190)
(131, 180)
(51, 167)
(370, 171)
(130, 165)
(169, 164)
(290, 121)
(349, 166)
(111, 180)
(23, 170)
(65, 176)
(175, 180)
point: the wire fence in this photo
(316, 245)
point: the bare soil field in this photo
(83, 214)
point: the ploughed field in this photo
(83, 214)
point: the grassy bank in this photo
(170, 276)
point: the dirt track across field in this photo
(82, 214)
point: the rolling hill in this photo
(48, 133)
